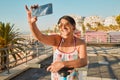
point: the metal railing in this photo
(102, 38)
(93, 38)
(31, 52)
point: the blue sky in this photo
(13, 11)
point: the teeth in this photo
(65, 30)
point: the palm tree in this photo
(11, 41)
(118, 19)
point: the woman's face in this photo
(66, 28)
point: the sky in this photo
(13, 11)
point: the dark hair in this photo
(68, 18)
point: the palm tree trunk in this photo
(3, 60)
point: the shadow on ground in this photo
(35, 73)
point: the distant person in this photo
(69, 51)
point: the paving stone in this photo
(35, 73)
(94, 78)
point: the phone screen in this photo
(42, 10)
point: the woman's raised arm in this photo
(46, 39)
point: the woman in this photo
(69, 51)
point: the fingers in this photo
(34, 6)
(48, 69)
(26, 8)
(51, 69)
(35, 18)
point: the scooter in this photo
(64, 72)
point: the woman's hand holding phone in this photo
(31, 19)
(36, 11)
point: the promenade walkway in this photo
(103, 64)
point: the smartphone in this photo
(42, 10)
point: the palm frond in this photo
(9, 36)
